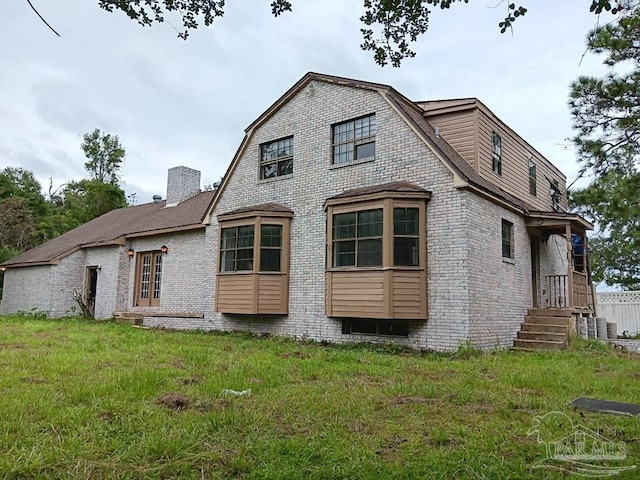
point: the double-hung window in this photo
(357, 239)
(354, 139)
(496, 153)
(507, 240)
(533, 177)
(276, 158)
(236, 249)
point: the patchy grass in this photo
(85, 399)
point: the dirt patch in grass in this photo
(178, 363)
(191, 380)
(296, 354)
(13, 346)
(175, 401)
(33, 380)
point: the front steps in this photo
(545, 329)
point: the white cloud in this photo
(187, 103)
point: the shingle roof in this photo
(139, 220)
(386, 187)
(263, 207)
(414, 114)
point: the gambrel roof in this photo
(414, 115)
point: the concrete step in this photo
(546, 336)
(544, 328)
(562, 321)
(538, 344)
(550, 312)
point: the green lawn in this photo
(86, 399)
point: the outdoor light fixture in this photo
(130, 252)
(164, 249)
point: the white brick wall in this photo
(183, 273)
(25, 289)
(500, 289)
(400, 155)
(106, 288)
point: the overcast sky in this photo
(175, 102)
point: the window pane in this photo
(405, 221)
(507, 239)
(268, 171)
(365, 150)
(370, 223)
(245, 236)
(228, 261)
(370, 253)
(146, 276)
(271, 235)
(405, 252)
(270, 259)
(157, 278)
(344, 253)
(344, 225)
(229, 238)
(285, 167)
(244, 259)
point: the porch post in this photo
(569, 266)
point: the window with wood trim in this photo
(276, 158)
(148, 279)
(354, 139)
(253, 267)
(496, 153)
(533, 177)
(376, 256)
(357, 239)
(507, 240)
(236, 248)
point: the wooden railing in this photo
(580, 290)
(558, 286)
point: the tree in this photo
(390, 26)
(105, 156)
(88, 199)
(606, 113)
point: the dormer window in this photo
(354, 139)
(496, 154)
(276, 158)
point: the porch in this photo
(560, 278)
(561, 272)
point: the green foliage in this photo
(105, 156)
(315, 412)
(606, 113)
(613, 202)
(389, 26)
(88, 199)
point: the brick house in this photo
(116, 261)
(350, 213)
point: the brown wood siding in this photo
(272, 298)
(515, 165)
(408, 296)
(235, 294)
(357, 294)
(459, 130)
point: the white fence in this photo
(623, 308)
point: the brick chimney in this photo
(182, 183)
